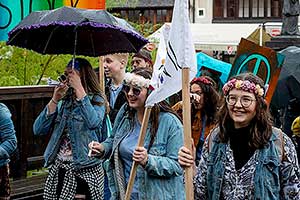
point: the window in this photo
(247, 9)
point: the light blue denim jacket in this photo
(162, 177)
(8, 140)
(84, 122)
(269, 179)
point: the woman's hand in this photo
(140, 156)
(75, 82)
(60, 91)
(195, 97)
(185, 157)
(96, 149)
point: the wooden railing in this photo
(25, 104)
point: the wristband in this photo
(55, 102)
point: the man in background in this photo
(142, 59)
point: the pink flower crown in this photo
(203, 80)
(243, 85)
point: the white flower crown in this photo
(136, 80)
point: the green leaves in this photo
(24, 67)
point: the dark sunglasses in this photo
(135, 90)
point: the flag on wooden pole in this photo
(180, 53)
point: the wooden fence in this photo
(25, 104)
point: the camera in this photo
(62, 78)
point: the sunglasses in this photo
(135, 90)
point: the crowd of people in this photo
(236, 154)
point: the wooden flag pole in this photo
(139, 144)
(189, 189)
(101, 74)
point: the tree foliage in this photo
(24, 67)
(117, 3)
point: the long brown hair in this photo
(210, 101)
(261, 124)
(89, 80)
(162, 106)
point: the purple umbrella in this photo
(68, 30)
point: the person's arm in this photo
(44, 121)
(103, 150)
(167, 165)
(8, 140)
(289, 171)
(93, 115)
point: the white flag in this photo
(166, 79)
(159, 62)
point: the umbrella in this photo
(288, 86)
(255, 36)
(68, 30)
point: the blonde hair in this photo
(121, 56)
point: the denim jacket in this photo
(162, 177)
(268, 178)
(8, 140)
(84, 122)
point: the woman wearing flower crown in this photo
(204, 103)
(159, 175)
(245, 157)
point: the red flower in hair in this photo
(202, 79)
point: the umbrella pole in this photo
(101, 74)
(74, 52)
(260, 35)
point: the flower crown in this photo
(137, 80)
(243, 85)
(203, 80)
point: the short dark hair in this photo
(144, 54)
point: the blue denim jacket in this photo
(267, 172)
(8, 140)
(84, 122)
(162, 177)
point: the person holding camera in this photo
(74, 117)
(8, 144)
(204, 102)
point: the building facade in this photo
(146, 11)
(236, 11)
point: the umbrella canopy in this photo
(288, 86)
(68, 30)
(255, 36)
